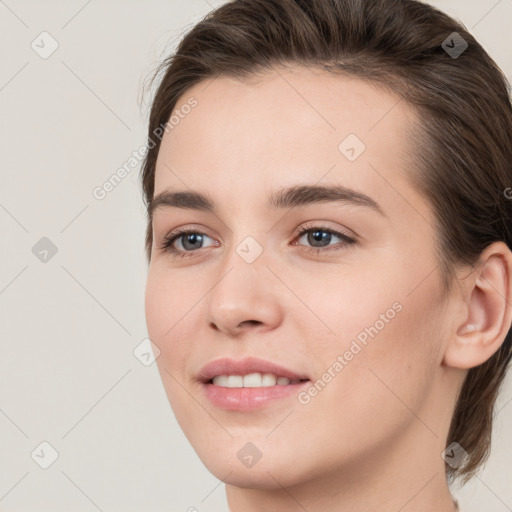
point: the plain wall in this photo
(70, 324)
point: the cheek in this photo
(157, 305)
(166, 317)
(384, 305)
(370, 398)
(384, 344)
(349, 305)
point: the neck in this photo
(428, 493)
(407, 477)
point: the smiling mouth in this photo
(253, 380)
(249, 383)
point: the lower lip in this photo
(247, 399)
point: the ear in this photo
(486, 310)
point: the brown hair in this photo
(463, 142)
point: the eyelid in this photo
(323, 226)
(195, 228)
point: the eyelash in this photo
(168, 241)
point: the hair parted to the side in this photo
(463, 142)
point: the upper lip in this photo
(227, 366)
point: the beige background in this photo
(70, 325)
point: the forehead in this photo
(285, 127)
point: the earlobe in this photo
(487, 312)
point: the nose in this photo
(246, 297)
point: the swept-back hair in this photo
(462, 143)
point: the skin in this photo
(372, 438)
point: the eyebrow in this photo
(299, 195)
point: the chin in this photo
(268, 473)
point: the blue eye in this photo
(318, 234)
(191, 240)
(187, 237)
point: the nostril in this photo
(252, 322)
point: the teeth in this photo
(251, 380)
(267, 379)
(221, 380)
(234, 381)
(257, 380)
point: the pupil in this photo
(318, 236)
(191, 238)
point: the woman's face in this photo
(361, 319)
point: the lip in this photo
(246, 399)
(227, 366)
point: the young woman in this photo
(328, 194)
